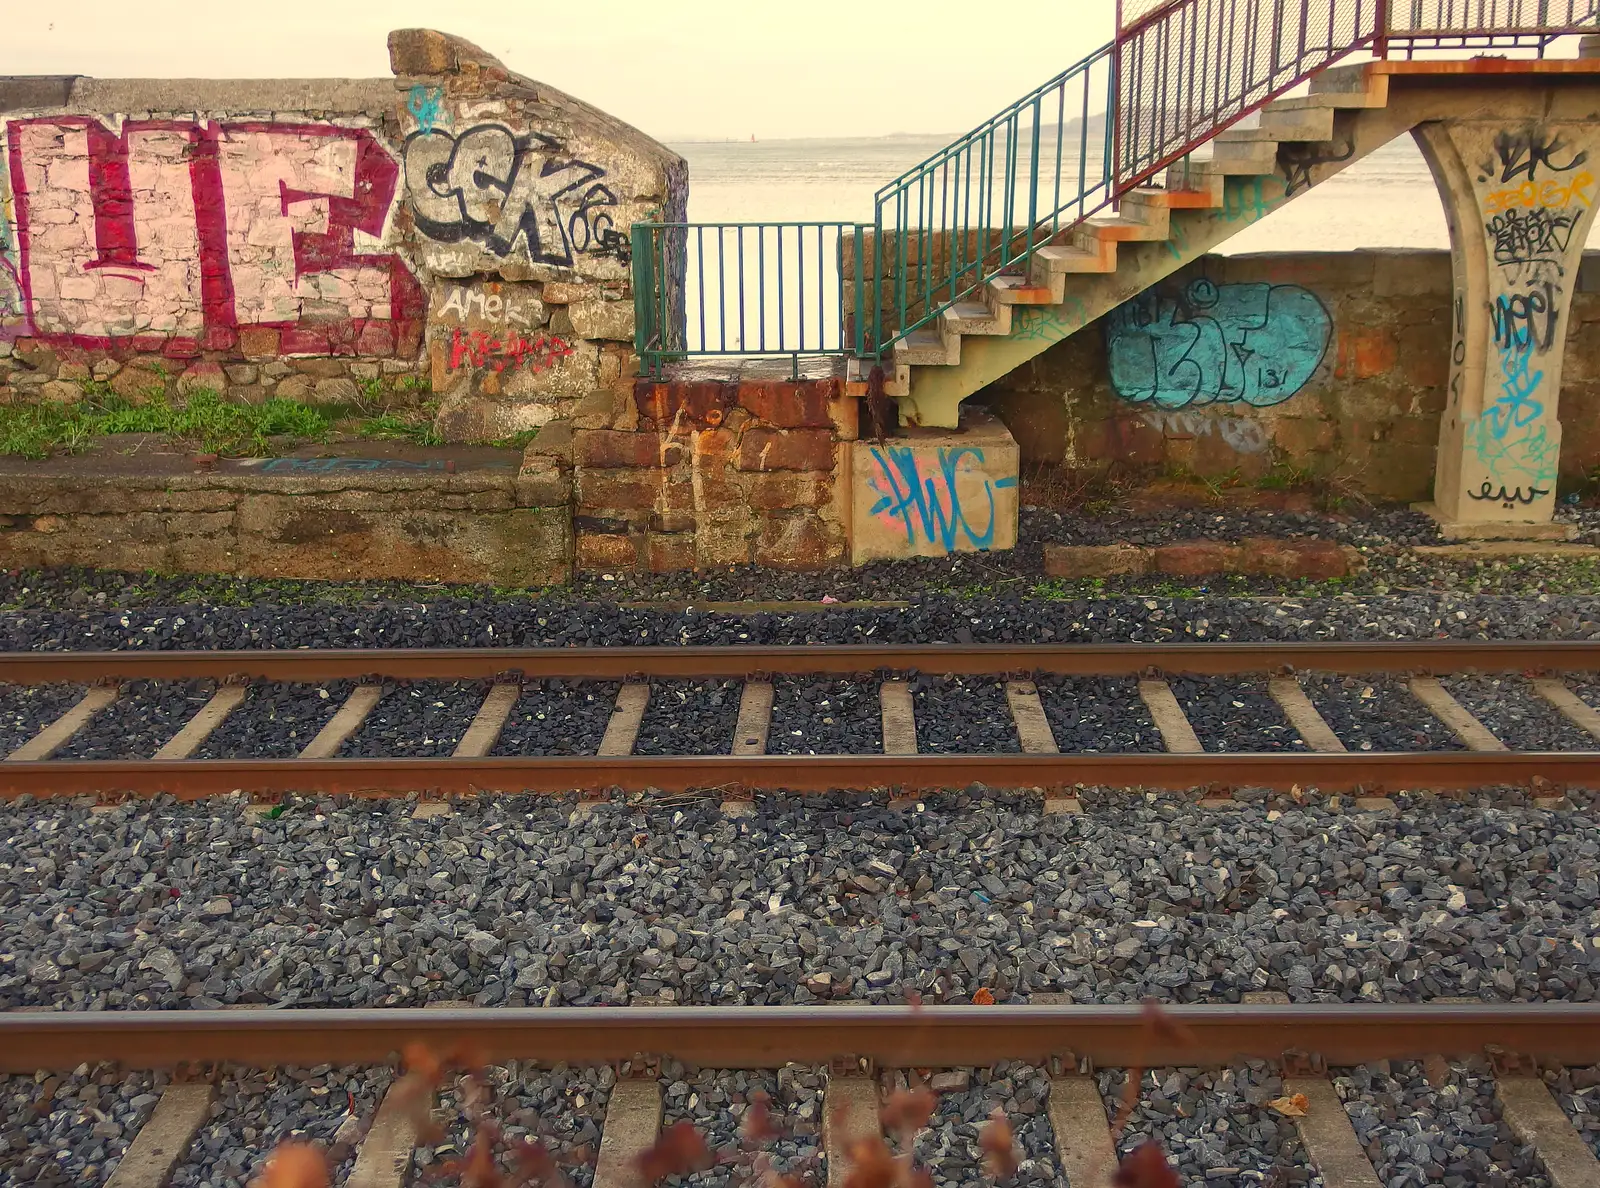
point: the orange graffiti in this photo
(1552, 195)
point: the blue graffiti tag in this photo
(424, 103)
(921, 503)
(1517, 408)
(1244, 344)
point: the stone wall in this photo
(459, 230)
(1332, 364)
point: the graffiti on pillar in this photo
(1255, 344)
(161, 233)
(937, 507)
(1299, 160)
(1536, 193)
(514, 195)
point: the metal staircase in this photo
(1012, 237)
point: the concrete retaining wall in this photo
(1335, 364)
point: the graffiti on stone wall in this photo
(426, 105)
(1241, 434)
(168, 233)
(499, 353)
(1536, 192)
(511, 194)
(1253, 344)
(937, 507)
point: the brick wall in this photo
(698, 474)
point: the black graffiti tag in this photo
(496, 188)
(1532, 241)
(1521, 154)
(1298, 160)
(1507, 498)
(1526, 319)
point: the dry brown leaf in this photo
(983, 997)
(907, 1111)
(294, 1165)
(871, 1165)
(1290, 1107)
(999, 1145)
(679, 1150)
(1146, 1167)
(758, 1126)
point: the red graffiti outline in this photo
(477, 349)
(376, 178)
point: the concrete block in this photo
(933, 494)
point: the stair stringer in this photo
(936, 392)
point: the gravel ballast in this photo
(957, 715)
(1215, 1126)
(689, 718)
(820, 716)
(1578, 1091)
(1419, 1133)
(1377, 712)
(275, 721)
(504, 901)
(950, 1148)
(27, 709)
(1098, 714)
(423, 720)
(1234, 714)
(716, 1102)
(558, 718)
(67, 1130)
(256, 1109)
(142, 718)
(1517, 715)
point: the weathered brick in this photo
(258, 343)
(1200, 558)
(608, 449)
(605, 551)
(793, 449)
(800, 542)
(633, 490)
(669, 554)
(1081, 561)
(789, 489)
(421, 51)
(565, 293)
(1314, 559)
(789, 405)
(683, 405)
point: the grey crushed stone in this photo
(1235, 714)
(825, 716)
(1516, 715)
(275, 721)
(1215, 1126)
(1377, 712)
(689, 718)
(558, 718)
(136, 725)
(420, 720)
(1416, 1134)
(163, 905)
(1098, 714)
(949, 1148)
(1578, 1091)
(563, 1108)
(715, 1102)
(962, 714)
(27, 709)
(65, 1130)
(256, 1109)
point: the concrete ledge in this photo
(389, 513)
(1251, 557)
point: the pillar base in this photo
(1492, 530)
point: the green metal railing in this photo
(1178, 72)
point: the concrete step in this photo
(1353, 80)
(1180, 197)
(1248, 158)
(976, 317)
(1274, 136)
(1291, 124)
(1194, 175)
(1022, 290)
(1334, 100)
(1119, 229)
(928, 348)
(1102, 257)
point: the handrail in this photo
(1177, 73)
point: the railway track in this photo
(488, 686)
(1333, 1095)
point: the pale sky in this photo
(674, 68)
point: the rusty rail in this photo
(194, 779)
(768, 1037)
(1199, 659)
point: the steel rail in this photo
(605, 663)
(193, 779)
(768, 1037)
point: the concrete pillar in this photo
(1519, 196)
